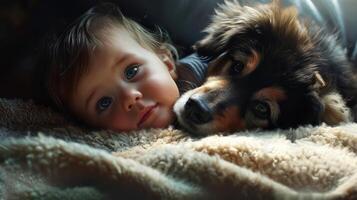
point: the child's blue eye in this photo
(104, 103)
(131, 71)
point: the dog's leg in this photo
(336, 111)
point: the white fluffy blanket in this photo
(45, 156)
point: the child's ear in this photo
(169, 61)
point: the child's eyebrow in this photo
(88, 100)
(121, 59)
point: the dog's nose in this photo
(198, 111)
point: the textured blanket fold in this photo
(45, 156)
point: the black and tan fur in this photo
(270, 69)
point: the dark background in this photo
(24, 24)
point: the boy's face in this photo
(126, 87)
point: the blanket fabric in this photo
(43, 155)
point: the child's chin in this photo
(164, 119)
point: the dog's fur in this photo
(270, 69)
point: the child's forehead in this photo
(111, 36)
(119, 35)
(110, 33)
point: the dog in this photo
(269, 69)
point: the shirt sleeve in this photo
(191, 72)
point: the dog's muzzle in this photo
(197, 111)
(193, 113)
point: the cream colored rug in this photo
(45, 156)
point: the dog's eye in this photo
(261, 109)
(236, 67)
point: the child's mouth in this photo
(146, 114)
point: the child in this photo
(109, 72)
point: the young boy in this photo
(109, 72)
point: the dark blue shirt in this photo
(191, 72)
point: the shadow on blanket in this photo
(60, 160)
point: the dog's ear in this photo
(246, 27)
(233, 23)
(211, 45)
(220, 29)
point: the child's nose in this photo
(131, 99)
